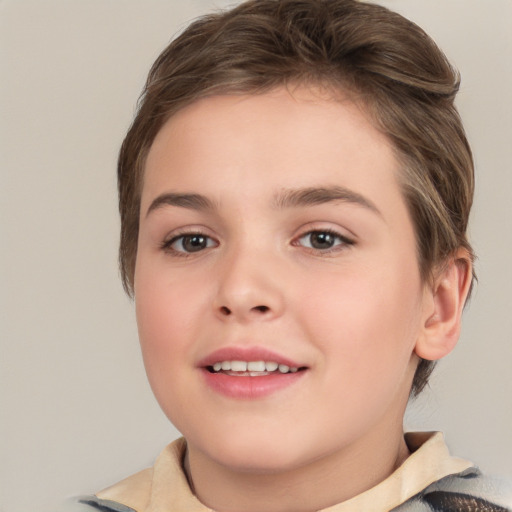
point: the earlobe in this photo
(443, 305)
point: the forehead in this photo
(302, 133)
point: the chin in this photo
(257, 451)
(258, 461)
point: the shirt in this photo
(429, 477)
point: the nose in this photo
(248, 289)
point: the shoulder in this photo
(128, 495)
(92, 504)
(140, 492)
(468, 491)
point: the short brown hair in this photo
(384, 61)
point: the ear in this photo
(443, 304)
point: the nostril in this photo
(225, 311)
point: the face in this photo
(273, 234)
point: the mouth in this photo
(249, 373)
(252, 368)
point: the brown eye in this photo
(191, 243)
(323, 240)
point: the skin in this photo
(354, 315)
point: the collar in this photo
(164, 487)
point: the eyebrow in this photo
(190, 201)
(295, 198)
(287, 198)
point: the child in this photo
(294, 197)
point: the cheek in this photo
(165, 311)
(367, 321)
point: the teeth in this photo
(238, 366)
(254, 367)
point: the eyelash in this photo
(167, 245)
(343, 242)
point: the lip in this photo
(247, 387)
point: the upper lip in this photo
(246, 354)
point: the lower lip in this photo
(250, 388)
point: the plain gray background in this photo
(76, 411)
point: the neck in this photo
(321, 483)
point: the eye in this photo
(190, 243)
(323, 240)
